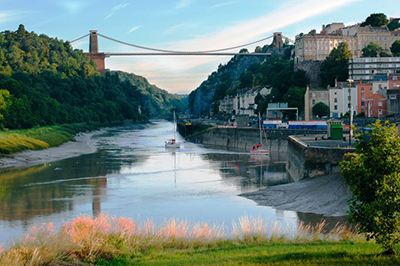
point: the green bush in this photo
(373, 174)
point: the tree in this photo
(336, 65)
(372, 50)
(320, 109)
(373, 175)
(5, 102)
(375, 20)
(394, 24)
(295, 97)
(395, 48)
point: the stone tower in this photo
(98, 58)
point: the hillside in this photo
(243, 72)
(44, 81)
(158, 102)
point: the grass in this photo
(121, 241)
(40, 138)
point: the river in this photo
(133, 175)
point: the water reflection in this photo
(133, 175)
(52, 188)
(255, 171)
(315, 219)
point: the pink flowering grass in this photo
(90, 239)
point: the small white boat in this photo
(172, 143)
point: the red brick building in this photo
(370, 103)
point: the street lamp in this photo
(350, 81)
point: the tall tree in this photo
(372, 50)
(375, 20)
(394, 24)
(336, 65)
(373, 174)
(320, 109)
(395, 49)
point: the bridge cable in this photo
(84, 36)
(180, 52)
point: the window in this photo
(335, 92)
(349, 105)
(380, 111)
(395, 78)
(362, 89)
(313, 94)
(370, 89)
(362, 96)
(362, 103)
(335, 107)
(313, 101)
(380, 104)
(335, 100)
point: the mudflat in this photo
(326, 195)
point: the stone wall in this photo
(243, 139)
(304, 161)
(313, 72)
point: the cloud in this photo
(73, 7)
(183, 4)
(180, 26)
(134, 29)
(223, 4)
(117, 8)
(79, 44)
(288, 13)
(11, 15)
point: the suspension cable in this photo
(179, 52)
(84, 36)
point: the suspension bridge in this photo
(99, 57)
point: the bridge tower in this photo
(98, 58)
(278, 42)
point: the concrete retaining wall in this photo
(304, 161)
(243, 139)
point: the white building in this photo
(364, 69)
(317, 46)
(342, 98)
(244, 103)
(226, 106)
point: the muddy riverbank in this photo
(326, 195)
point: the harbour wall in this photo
(243, 139)
(305, 161)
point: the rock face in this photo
(201, 99)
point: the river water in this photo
(133, 175)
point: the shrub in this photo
(373, 174)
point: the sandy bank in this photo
(326, 195)
(83, 144)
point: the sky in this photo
(188, 25)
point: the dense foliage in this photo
(395, 49)
(158, 102)
(373, 174)
(375, 20)
(394, 24)
(321, 109)
(44, 82)
(336, 65)
(243, 72)
(374, 50)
